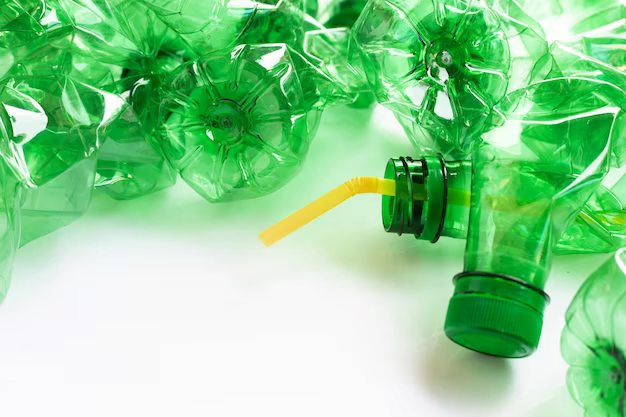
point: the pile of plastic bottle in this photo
(515, 109)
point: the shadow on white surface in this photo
(468, 379)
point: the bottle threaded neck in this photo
(419, 206)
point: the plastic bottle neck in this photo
(423, 195)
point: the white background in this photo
(170, 306)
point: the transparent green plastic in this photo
(564, 19)
(559, 102)
(131, 162)
(99, 30)
(343, 14)
(427, 203)
(565, 61)
(442, 65)
(498, 303)
(311, 7)
(134, 48)
(601, 225)
(210, 26)
(334, 52)
(600, 33)
(593, 341)
(50, 130)
(121, 48)
(238, 124)
(599, 228)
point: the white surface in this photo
(169, 306)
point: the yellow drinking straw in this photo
(308, 213)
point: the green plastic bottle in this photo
(131, 162)
(100, 30)
(441, 65)
(50, 130)
(497, 307)
(238, 123)
(49, 38)
(523, 199)
(593, 341)
(343, 14)
(559, 103)
(440, 202)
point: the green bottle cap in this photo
(495, 314)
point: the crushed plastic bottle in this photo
(131, 162)
(599, 228)
(593, 341)
(238, 123)
(441, 65)
(101, 30)
(497, 307)
(601, 225)
(523, 199)
(51, 128)
(130, 48)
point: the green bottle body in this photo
(533, 174)
(568, 62)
